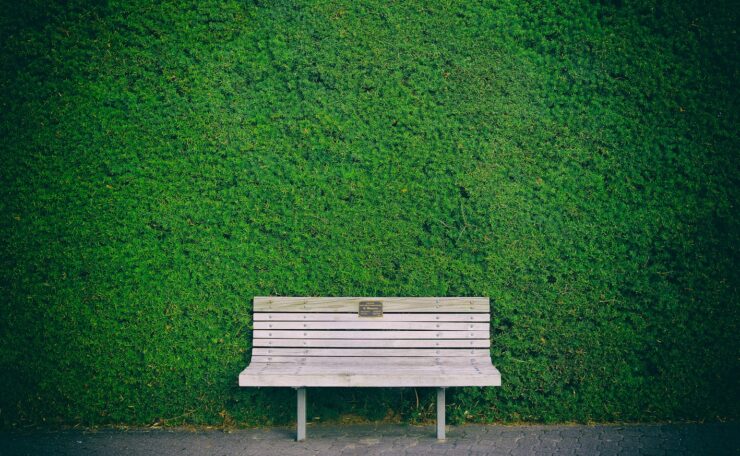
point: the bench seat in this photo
(300, 372)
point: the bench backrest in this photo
(290, 327)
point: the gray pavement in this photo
(386, 439)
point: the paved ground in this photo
(682, 439)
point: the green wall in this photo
(161, 165)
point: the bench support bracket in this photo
(301, 428)
(440, 414)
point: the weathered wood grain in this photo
(377, 361)
(295, 369)
(370, 352)
(390, 317)
(369, 380)
(375, 343)
(351, 304)
(365, 335)
(386, 325)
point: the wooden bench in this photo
(370, 342)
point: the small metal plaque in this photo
(371, 309)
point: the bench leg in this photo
(301, 428)
(440, 414)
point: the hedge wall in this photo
(162, 164)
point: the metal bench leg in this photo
(301, 431)
(440, 414)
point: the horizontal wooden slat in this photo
(351, 304)
(368, 381)
(364, 335)
(289, 369)
(383, 379)
(318, 316)
(370, 352)
(481, 361)
(395, 325)
(367, 343)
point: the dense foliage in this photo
(162, 164)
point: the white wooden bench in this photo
(370, 342)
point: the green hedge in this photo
(161, 165)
